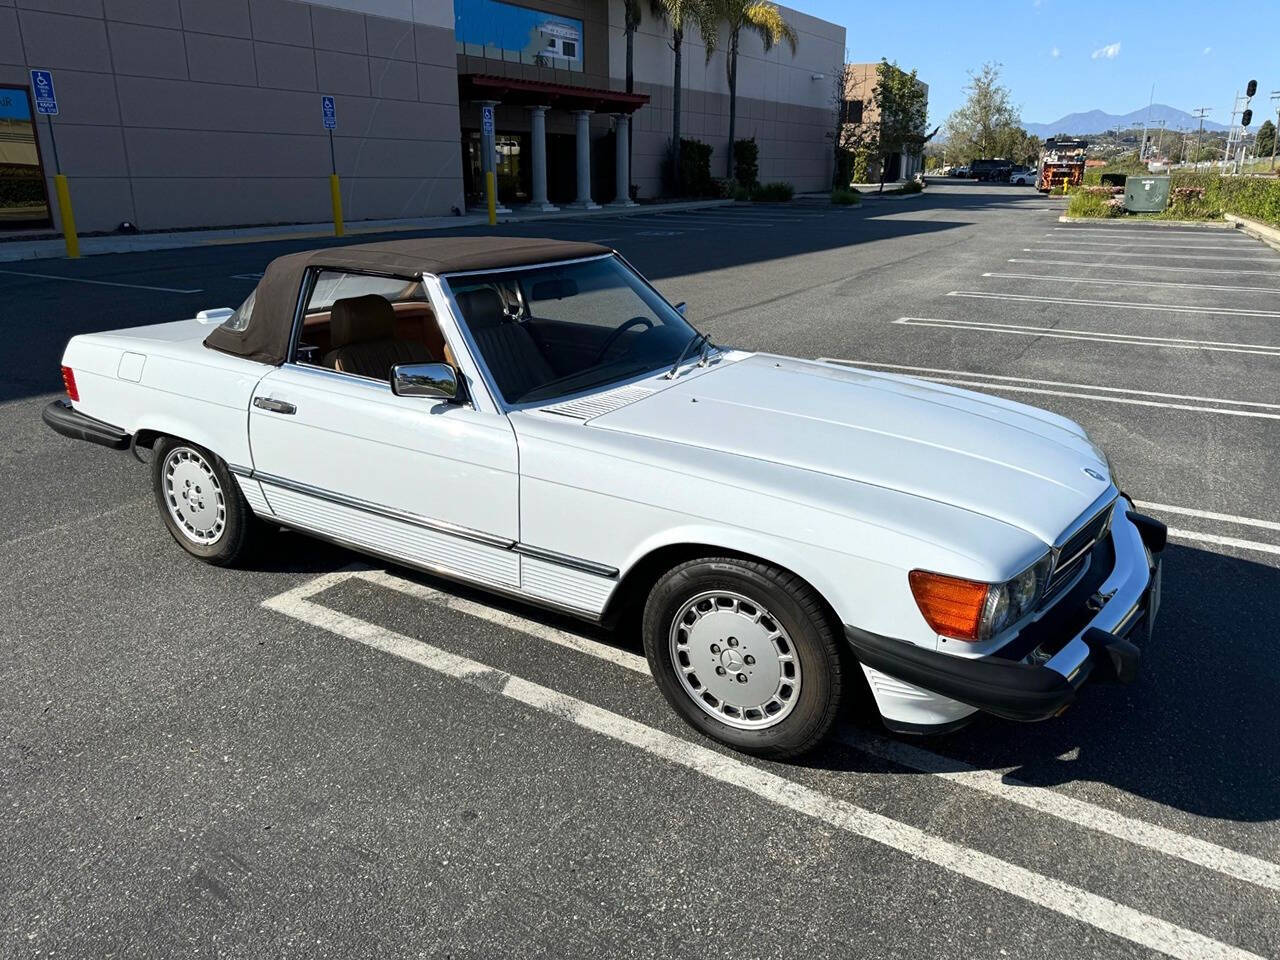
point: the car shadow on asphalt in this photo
(1199, 730)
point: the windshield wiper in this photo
(693, 342)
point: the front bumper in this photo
(63, 418)
(1043, 681)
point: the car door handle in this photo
(275, 406)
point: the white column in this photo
(583, 120)
(538, 143)
(622, 165)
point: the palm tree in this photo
(682, 14)
(762, 18)
(631, 21)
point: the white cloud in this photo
(1109, 52)
(1208, 50)
(1055, 53)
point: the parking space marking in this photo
(1187, 243)
(1057, 896)
(1104, 281)
(1157, 256)
(1116, 304)
(1143, 266)
(996, 783)
(1083, 391)
(1097, 336)
(1208, 515)
(1222, 541)
(1228, 233)
(99, 283)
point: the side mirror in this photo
(680, 307)
(436, 381)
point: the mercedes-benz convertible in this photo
(533, 418)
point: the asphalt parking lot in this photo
(323, 756)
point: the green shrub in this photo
(725, 187)
(778, 192)
(845, 197)
(1094, 202)
(911, 186)
(695, 169)
(1202, 196)
(746, 162)
(741, 193)
(844, 167)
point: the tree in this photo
(631, 15)
(1266, 139)
(986, 121)
(762, 18)
(682, 14)
(903, 106)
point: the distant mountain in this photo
(1096, 121)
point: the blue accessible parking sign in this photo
(46, 99)
(329, 111)
(486, 120)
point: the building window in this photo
(853, 111)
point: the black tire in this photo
(232, 530)
(795, 608)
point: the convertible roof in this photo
(266, 336)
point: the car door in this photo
(431, 483)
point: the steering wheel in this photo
(613, 337)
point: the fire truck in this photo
(1061, 162)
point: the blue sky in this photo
(1061, 57)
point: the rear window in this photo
(239, 321)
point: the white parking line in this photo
(1083, 391)
(1080, 812)
(1208, 515)
(1221, 541)
(1172, 246)
(1095, 336)
(100, 283)
(1117, 304)
(1143, 266)
(1154, 232)
(1155, 256)
(1104, 281)
(1055, 895)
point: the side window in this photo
(363, 325)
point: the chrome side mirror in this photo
(680, 307)
(436, 381)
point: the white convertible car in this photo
(533, 418)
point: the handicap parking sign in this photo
(46, 99)
(486, 121)
(329, 112)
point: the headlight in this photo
(974, 611)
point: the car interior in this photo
(365, 325)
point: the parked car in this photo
(532, 417)
(961, 171)
(993, 171)
(1023, 178)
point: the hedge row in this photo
(1201, 196)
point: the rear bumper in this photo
(1041, 684)
(63, 418)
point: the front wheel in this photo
(200, 502)
(746, 653)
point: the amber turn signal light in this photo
(952, 607)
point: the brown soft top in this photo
(266, 336)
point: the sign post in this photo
(329, 116)
(490, 181)
(47, 105)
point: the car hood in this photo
(1004, 460)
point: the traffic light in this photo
(1246, 118)
(1250, 90)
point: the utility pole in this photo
(1200, 112)
(1275, 98)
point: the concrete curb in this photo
(1122, 221)
(18, 248)
(1259, 231)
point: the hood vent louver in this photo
(598, 404)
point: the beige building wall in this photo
(186, 113)
(786, 102)
(860, 86)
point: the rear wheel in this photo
(746, 653)
(200, 502)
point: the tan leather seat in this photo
(513, 358)
(362, 338)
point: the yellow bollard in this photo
(491, 188)
(68, 218)
(335, 192)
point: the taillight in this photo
(69, 381)
(953, 607)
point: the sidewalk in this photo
(19, 246)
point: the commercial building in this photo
(196, 113)
(861, 111)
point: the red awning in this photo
(484, 86)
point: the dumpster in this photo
(1146, 194)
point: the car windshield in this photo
(550, 331)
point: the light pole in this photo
(1275, 98)
(1200, 112)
